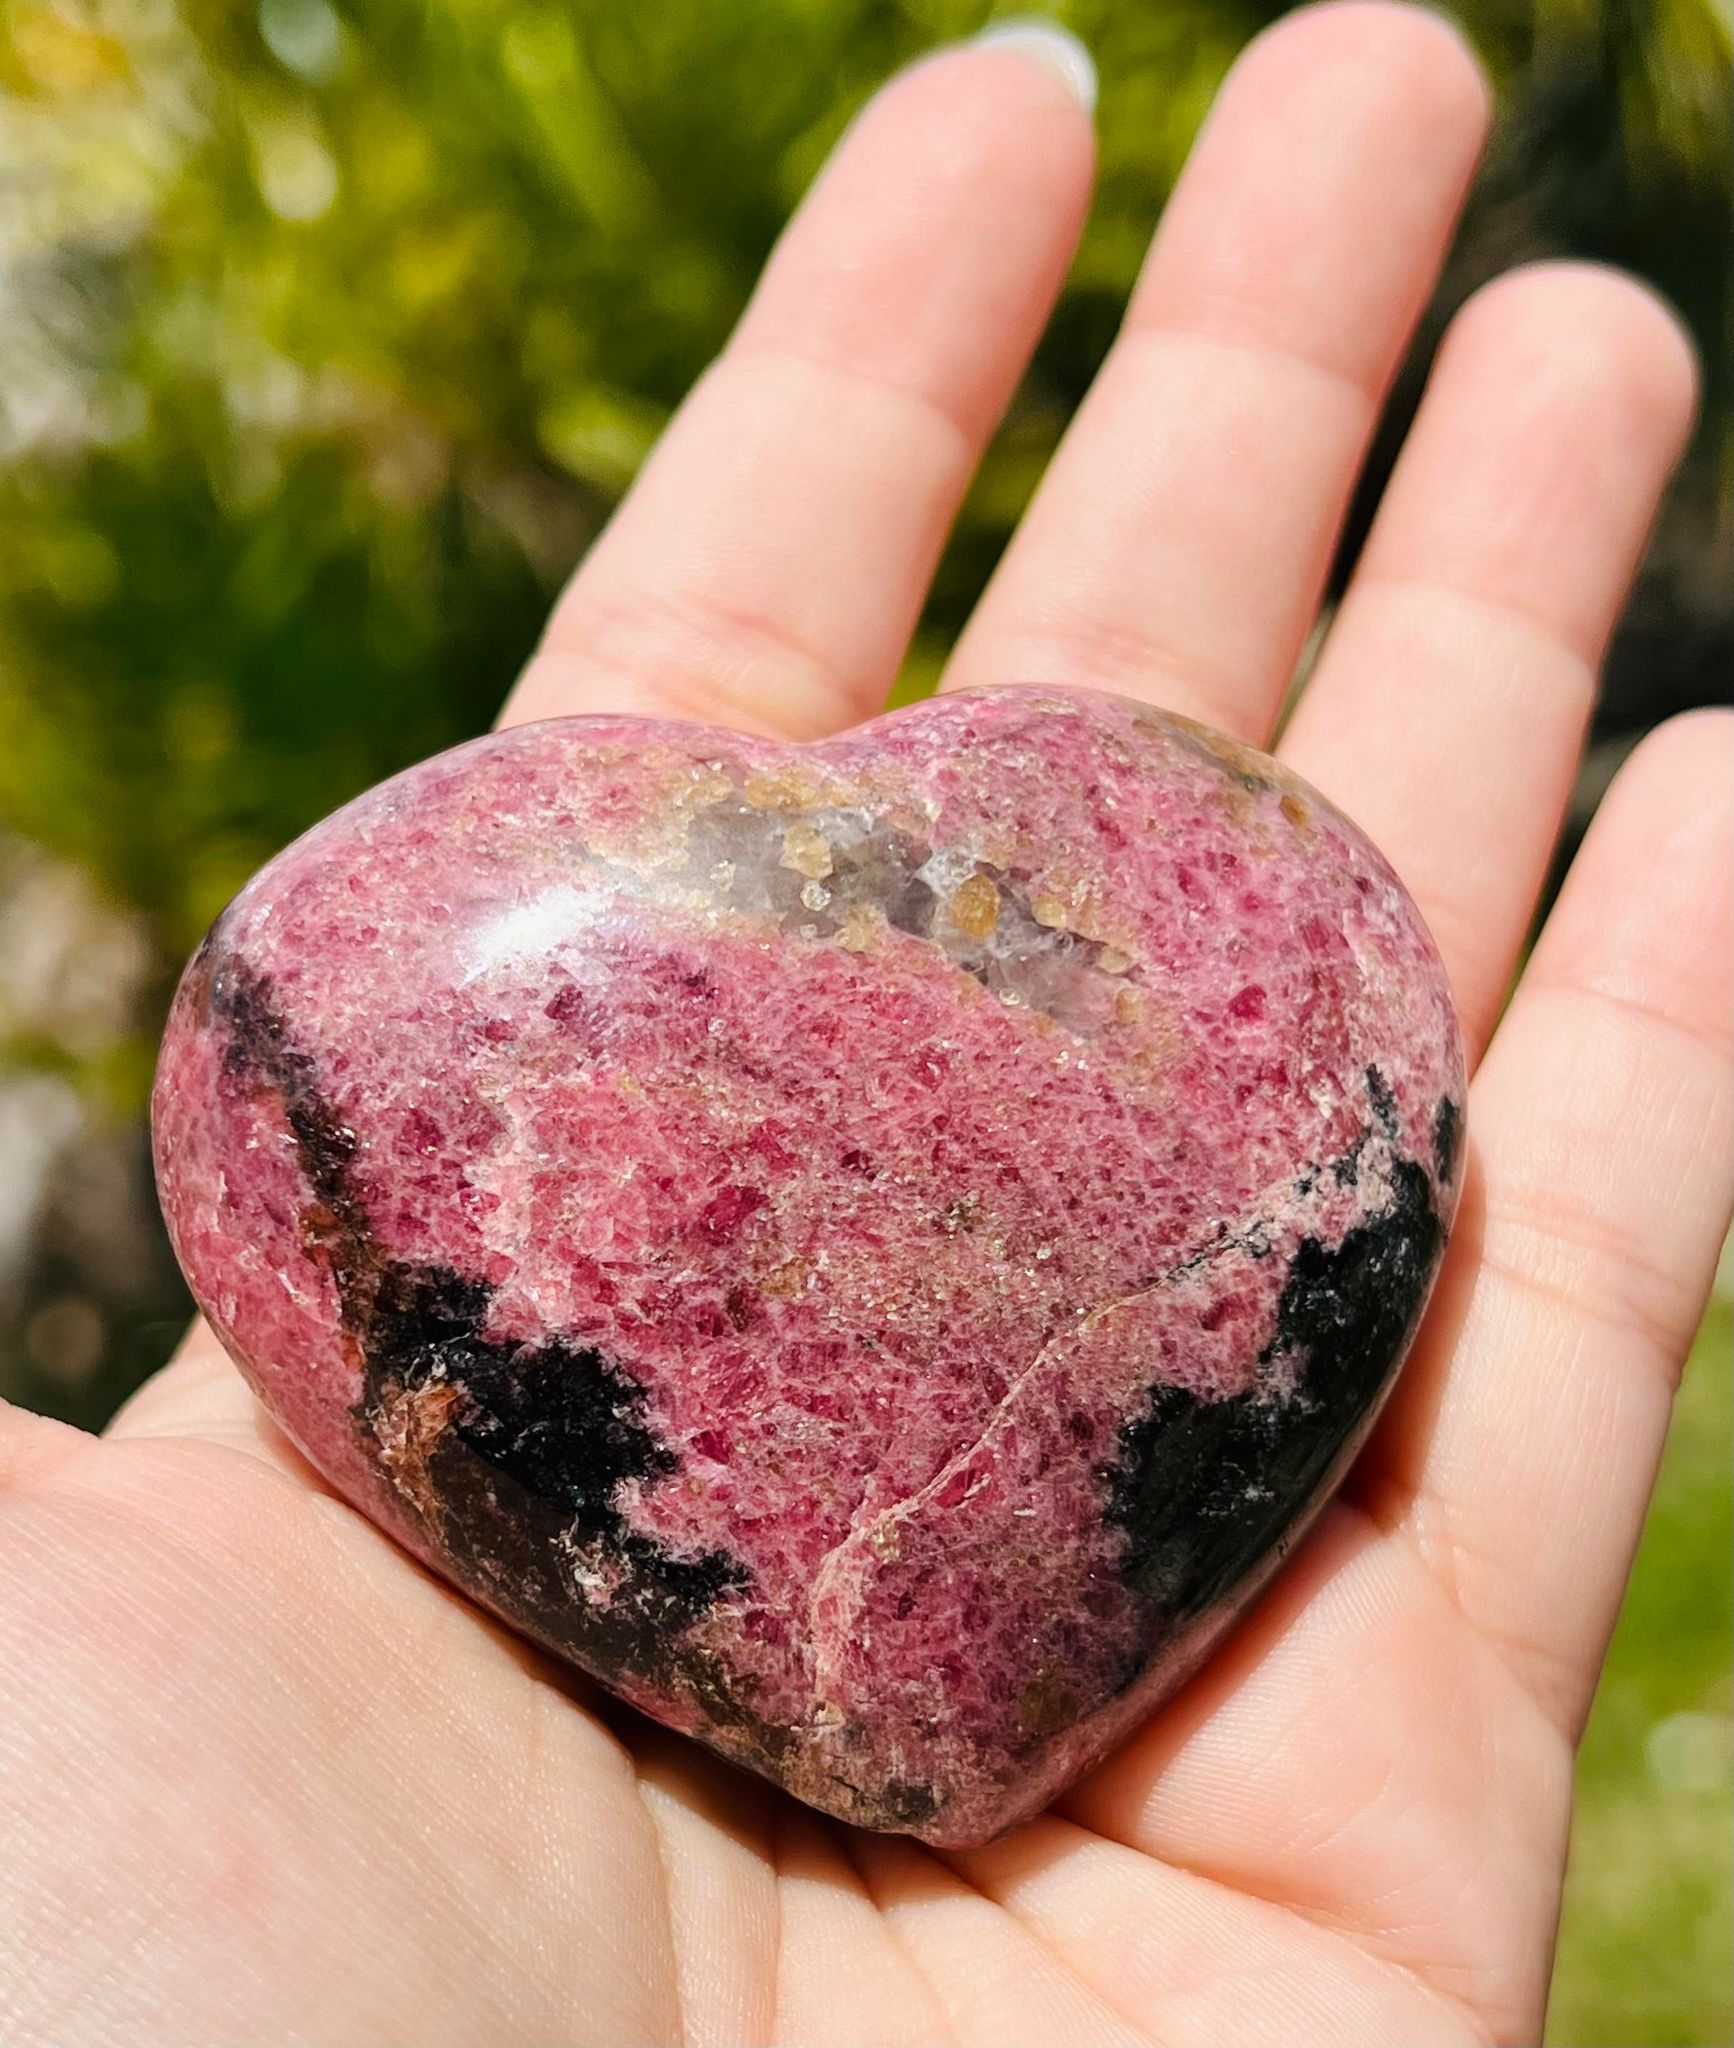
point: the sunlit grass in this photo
(1646, 1954)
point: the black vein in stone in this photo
(1205, 1489)
(512, 1455)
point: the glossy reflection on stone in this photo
(873, 1250)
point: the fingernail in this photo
(1055, 49)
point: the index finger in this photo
(769, 564)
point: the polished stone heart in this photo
(873, 1250)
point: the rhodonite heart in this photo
(872, 1249)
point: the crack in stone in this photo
(1373, 1155)
(1249, 1233)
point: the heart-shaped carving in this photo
(872, 1249)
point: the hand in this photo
(262, 1780)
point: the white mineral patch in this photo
(545, 925)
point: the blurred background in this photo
(329, 332)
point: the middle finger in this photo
(1177, 546)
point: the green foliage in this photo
(1645, 1951)
(338, 332)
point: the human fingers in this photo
(769, 563)
(1453, 691)
(1522, 1462)
(1177, 546)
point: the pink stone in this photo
(873, 1250)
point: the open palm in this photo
(261, 1779)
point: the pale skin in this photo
(263, 1780)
